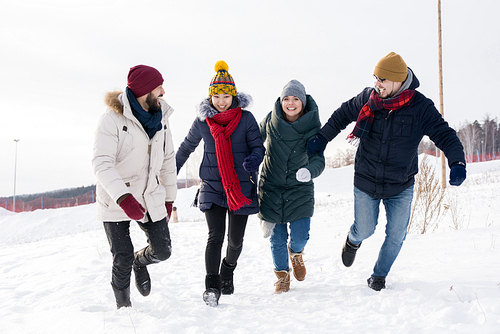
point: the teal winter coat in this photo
(282, 198)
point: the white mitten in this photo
(267, 228)
(303, 175)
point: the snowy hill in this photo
(55, 267)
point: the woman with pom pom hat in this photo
(286, 189)
(233, 151)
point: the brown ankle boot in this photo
(283, 283)
(299, 269)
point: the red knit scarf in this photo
(367, 113)
(222, 125)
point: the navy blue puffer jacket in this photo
(245, 140)
(387, 161)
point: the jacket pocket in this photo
(125, 144)
(402, 125)
(103, 198)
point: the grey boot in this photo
(122, 297)
(212, 293)
(226, 276)
(142, 279)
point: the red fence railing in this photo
(47, 202)
(482, 157)
(470, 157)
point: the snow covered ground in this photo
(55, 271)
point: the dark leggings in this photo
(158, 249)
(216, 221)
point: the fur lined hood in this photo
(206, 110)
(115, 101)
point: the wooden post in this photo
(441, 104)
(174, 214)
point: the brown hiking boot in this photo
(299, 269)
(283, 283)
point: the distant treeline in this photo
(75, 192)
(62, 193)
(481, 141)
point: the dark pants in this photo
(158, 249)
(216, 220)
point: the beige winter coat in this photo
(125, 161)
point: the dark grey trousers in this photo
(159, 247)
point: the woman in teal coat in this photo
(286, 190)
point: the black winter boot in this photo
(349, 252)
(142, 279)
(212, 293)
(377, 283)
(226, 276)
(122, 297)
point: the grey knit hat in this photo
(294, 88)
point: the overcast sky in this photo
(58, 58)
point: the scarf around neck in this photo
(222, 125)
(367, 113)
(150, 122)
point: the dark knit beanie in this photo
(222, 82)
(391, 67)
(295, 88)
(143, 79)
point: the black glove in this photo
(317, 144)
(251, 163)
(457, 174)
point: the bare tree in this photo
(341, 158)
(467, 135)
(191, 168)
(427, 208)
(490, 129)
(481, 140)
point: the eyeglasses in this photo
(378, 79)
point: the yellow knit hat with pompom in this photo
(222, 82)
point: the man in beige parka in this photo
(134, 162)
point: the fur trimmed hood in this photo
(113, 100)
(206, 110)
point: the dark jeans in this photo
(158, 249)
(216, 220)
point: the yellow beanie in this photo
(222, 82)
(391, 67)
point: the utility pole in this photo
(187, 174)
(15, 171)
(441, 105)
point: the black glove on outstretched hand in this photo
(251, 163)
(457, 174)
(316, 144)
